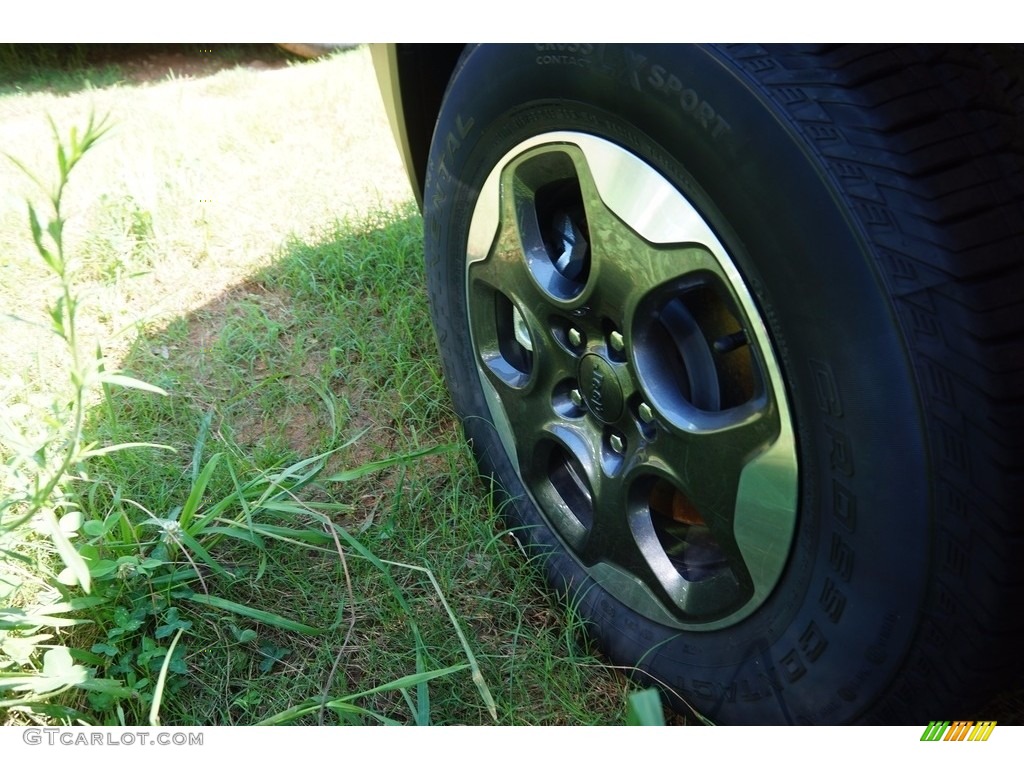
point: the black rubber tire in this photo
(872, 200)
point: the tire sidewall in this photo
(828, 641)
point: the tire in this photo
(738, 333)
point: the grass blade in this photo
(158, 691)
(197, 451)
(644, 708)
(106, 449)
(195, 497)
(256, 614)
(393, 461)
(120, 380)
(344, 703)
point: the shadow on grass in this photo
(64, 68)
(329, 344)
(330, 349)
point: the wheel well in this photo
(423, 73)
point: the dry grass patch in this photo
(200, 183)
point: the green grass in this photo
(314, 538)
(58, 68)
(71, 67)
(328, 346)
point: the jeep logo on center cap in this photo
(600, 388)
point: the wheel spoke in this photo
(514, 336)
(644, 235)
(707, 467)
(629, 268)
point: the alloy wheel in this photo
(632, 380)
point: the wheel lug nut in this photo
(646, 414)
(617, 342)
(576, 397)
(575, 337)
(618, 444)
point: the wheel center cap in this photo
(600, 388)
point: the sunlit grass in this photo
(246, 242)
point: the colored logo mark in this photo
(959, 730)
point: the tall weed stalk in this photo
(43, 471)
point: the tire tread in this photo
(934, 135)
